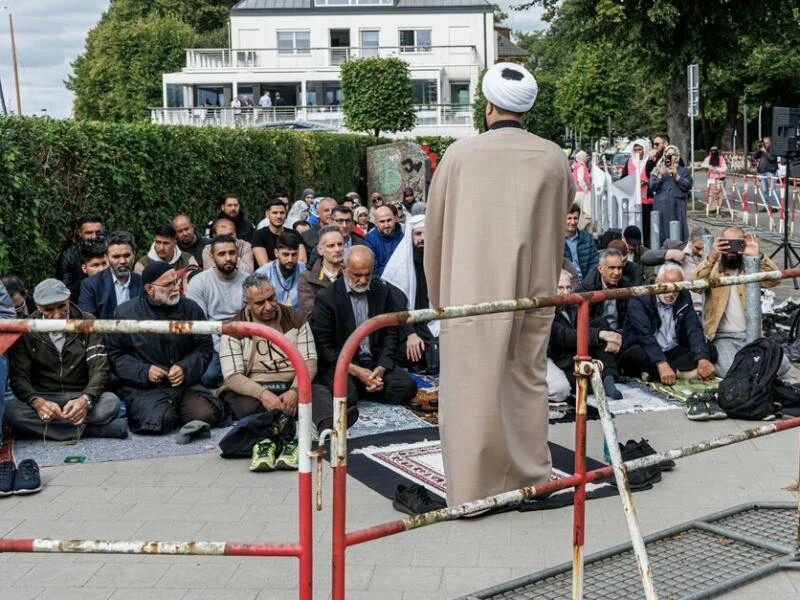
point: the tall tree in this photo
(118, 76)
(378, 95)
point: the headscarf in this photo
(645, 144)
(400, 271)
(677, 152)
(510, 87)
(313, 215)
(298, 212)
(359, 211)
(581, 156)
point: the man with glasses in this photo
(160, 374)
(60, 379)
(375, 202)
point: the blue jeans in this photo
(767, 181)
(3, 391)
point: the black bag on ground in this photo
(239, 441)
(746, 392)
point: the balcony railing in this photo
(237, 58)
(327, 116)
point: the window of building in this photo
(425, 91)
(174, 95)
(415, 40)
(459, 92)
(294, 42)
(370, 42)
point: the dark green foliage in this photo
(378, 95)
(137, 176)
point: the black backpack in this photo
(746, 392)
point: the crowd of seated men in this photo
(309, 270)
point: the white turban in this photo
(510, 87)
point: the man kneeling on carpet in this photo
(663, 340)
(338, 310)
(59, 379)
(259, 378)
(160, 374)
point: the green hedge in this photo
(137, 176)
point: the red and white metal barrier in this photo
(584, 371)
(302, 549)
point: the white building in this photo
(292, 49)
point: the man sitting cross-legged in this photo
(103, 292)
(260, 378)
(284, 272)
(604, 342)
(662, 336)
(346, 304)
(320, 274)
(60, 379)
(160, 374)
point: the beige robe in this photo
(494, 230)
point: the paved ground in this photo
(206, 497)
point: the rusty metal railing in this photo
(302, 549)
(584, 371)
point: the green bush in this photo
(437, 144)
(699, 155)
(138, 176)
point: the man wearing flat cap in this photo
(493, 391)
(59, 379)
(160, 374)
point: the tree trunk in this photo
(731, 109)
(677, 119)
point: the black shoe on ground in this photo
(643, 479)
(7, 471)
(648, 450)
(27, 479)
(415, 500)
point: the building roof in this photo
(505, 47)
(268, 6)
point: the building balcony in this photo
(217, 59)
(432, 119)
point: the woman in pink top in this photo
(583, 190)
(636, 162)
(717, 169)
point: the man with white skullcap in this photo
(493, 390)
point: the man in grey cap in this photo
(59, 379)
(493, 390)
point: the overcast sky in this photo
(50, 34)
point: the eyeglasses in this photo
(342, 221)
(173, 283)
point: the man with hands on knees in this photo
(59, 379)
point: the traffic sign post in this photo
(693, 93)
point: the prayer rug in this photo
(682, 389)
(384, 461)
(637, 398)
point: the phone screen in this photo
(735, 246)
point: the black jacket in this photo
(81, 367)
(563, 343)
(197, 248)
(68, 270)
(594, 282)
(332, 322)
(99, 297)
(244, 228)
(132, 354)
(643, 321)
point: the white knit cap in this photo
(510, 87)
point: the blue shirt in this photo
(572, 244)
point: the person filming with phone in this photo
(670, 183)
(725, 307)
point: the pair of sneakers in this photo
(643, 479)
(269, 456)
(704, 407)
(23, 478)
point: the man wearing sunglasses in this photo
(59, 379)
(161, 374)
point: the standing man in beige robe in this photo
(493, 391)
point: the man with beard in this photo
(102, 293)
(230, 208)
(218, 293)
(406, 273)
(324, 270)
(244, 251)
(662, 336)
(165, 248)
(160, 374)
(725, 307)
(188, 239)
(265, 240)
(284, 272)
(68, 263)
(346, 304)
(384, 238)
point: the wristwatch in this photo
(89, 402)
